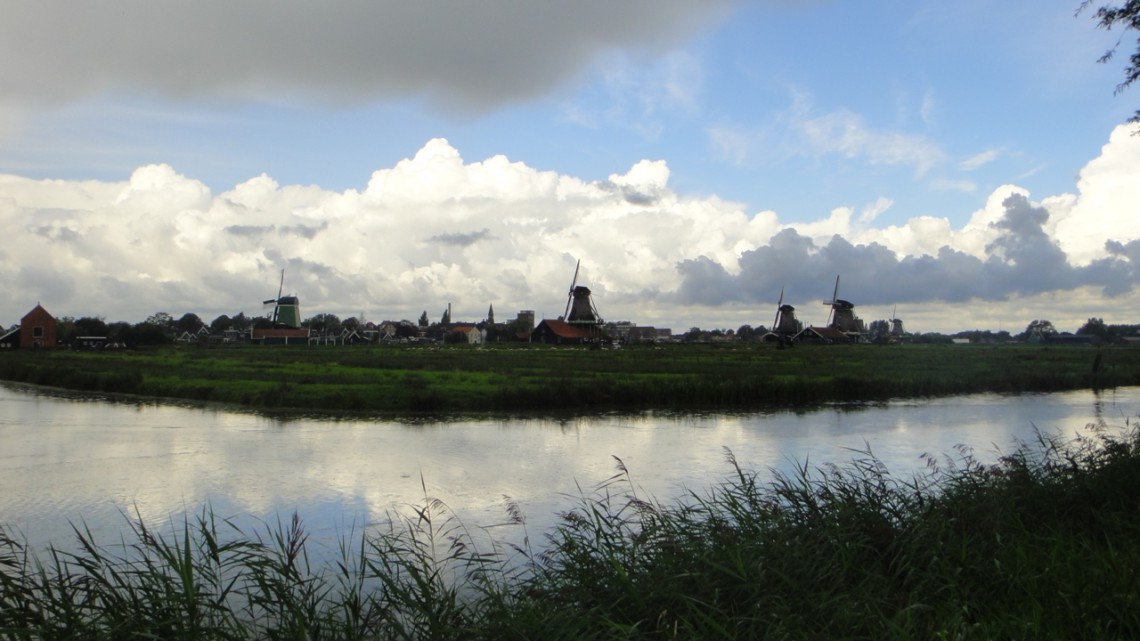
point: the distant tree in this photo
(1126, 16)
(746, 333)
(694, 334)
(323, 323)
(930, 337)
(118, 331)
(90, 326)
(351, 323)
(407, 329)
(424, 322)
(221, 324)
(68, 329)
(1038, 330)
(161, 319)
(65, 329)
(241, 323)
(1094, 327)
(878, 330)
(984, 336)
(147, 333)
(260, 322)
(446, 318)
(189, 322)
(513, 329)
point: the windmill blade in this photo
(779, 304)
(834, 302)
(570, 296)
(281, 287)
(575, 280)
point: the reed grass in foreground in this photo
(1043, 544)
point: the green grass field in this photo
(387, 379)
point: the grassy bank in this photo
(463, 379)
(1044, 544)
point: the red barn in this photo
(38, 329)
(557, 332)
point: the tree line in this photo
(162, 328)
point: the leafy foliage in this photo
(1126, 16)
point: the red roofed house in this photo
(556, 332)
(38, 329)
(471, 333)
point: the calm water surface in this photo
(65, 460)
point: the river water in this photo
(68, 460)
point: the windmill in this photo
(580, 308)
(785, 324)
(842, 316)
(785, 327)
(286, 309)
(895, 333)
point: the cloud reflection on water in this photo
(66, 459)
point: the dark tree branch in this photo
(1127, 17)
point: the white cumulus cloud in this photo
(435, 229)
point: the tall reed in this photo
(1044, 543)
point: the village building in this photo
(10, 339)
(560, 332)
(473, 334)
(823, 335)
(38, 329)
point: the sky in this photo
(960, 165)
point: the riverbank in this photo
(456, 379)
(1044, 544)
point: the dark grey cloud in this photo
(1024, 261)
(259, 231)
(706, 282)
(249, 231)
(630, 194)
(304, 231)
(473, 55)
(462, 240)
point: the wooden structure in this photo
(826, 335)
(38, 329)
(558, 332)
(580, 310)
(842, 316)
(280, 336)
